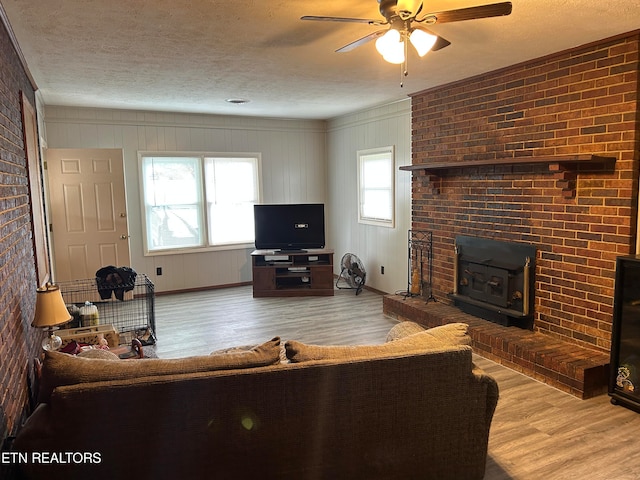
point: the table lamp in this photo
(50, 313)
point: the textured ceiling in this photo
(191, 55)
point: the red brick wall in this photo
(18, 341)
(576, 102)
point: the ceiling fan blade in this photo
(342, 19)
(470, 13)
(440, 44)
(361, 41)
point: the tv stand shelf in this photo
(292, 274)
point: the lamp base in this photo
(51, 342)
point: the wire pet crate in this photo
(133, 316)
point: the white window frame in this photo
(203, 200)
(366, 186)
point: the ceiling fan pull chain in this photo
(406, 56)
(404, 66)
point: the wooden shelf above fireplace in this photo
(565, 168)
(569, 162)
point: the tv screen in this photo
(289, 226)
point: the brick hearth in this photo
(571, 368)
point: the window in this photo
(193, 202)
(376, 182)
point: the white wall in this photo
(375, 246)
(302, 161)
(293, 168)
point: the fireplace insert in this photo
(495, 280)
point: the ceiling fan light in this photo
(391, 47)
(396, 56)
(386, 42)
(422, 41)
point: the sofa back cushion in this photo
(451, 333)
(435, 339)
(63, 369)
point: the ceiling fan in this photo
(405, 26)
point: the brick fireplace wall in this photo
(18, 341)
(582, 101)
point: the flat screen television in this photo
(289, 227)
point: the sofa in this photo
(414, 406)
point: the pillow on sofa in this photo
(242, 348)
(419, 342)
(63, 369)
(98, 353)
(403, 329)
(451, 333)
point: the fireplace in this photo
(494, 280)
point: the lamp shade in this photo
(50, 308)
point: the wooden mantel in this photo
(564, 168)
(569, 162)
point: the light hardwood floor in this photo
(538, 432)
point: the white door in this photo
(88, 211)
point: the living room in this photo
(313, 161)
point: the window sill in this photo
(188, 251)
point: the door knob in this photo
(124, 237)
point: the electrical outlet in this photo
(158, 271)
(381, 269)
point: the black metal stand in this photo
(419, 256)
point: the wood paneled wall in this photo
(302, 161)
(293, 170)
(375, 246)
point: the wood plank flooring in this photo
(198, 323)
(538, 432)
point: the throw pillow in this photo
(62, 369)
(451, 333)
(419, 342)
(403, 329)
(242, 348)
(99, 353)
(403, 338)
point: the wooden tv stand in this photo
(292, 274)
